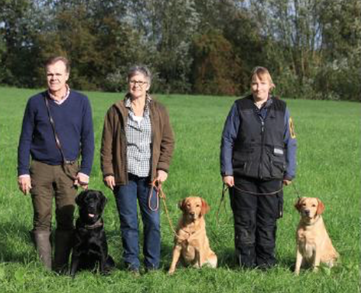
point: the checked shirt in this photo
(138, 132)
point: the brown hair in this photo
(263, 74)
(53, 60)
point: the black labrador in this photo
(90, 249)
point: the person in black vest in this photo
(258, 157)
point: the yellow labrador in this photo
(191, 241)
(314, 246)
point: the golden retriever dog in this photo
(191, 241)
(314, 246)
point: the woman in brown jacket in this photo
(137, 147)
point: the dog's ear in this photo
(181, 204)
(320, 207)
(298, 204)
(102, 200)
(205, 207)
(80, 198)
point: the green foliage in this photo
(216, 68)
(16, 33)
(98, 44)
(312, 48)
(342, 40)
(2, 65)
(329, 148)
(168, 26)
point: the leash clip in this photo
(157, 184)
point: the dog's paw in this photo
(315, 269)
(171, 271)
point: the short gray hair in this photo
(140, 69)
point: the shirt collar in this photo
(128, 103)
(269, 101)
(62, 100)
(266, 104)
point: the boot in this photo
(265, 257)
(63, 245)
(42, 243)
(246, 256)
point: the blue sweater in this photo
(74, 127)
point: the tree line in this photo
(311, 47)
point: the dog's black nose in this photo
(307, 212)
(191, 213)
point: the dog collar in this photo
(97, 224)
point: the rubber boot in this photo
(63, 246)
(43, 247)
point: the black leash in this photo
(222, 201)
(258, 193)
(224, 190)
(296, 190)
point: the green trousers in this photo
(50, 182)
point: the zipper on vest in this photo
(262, 147)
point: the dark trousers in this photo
(50, 182)
(255, 217)
(127, 196)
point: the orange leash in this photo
(160, 194)
(157, 186)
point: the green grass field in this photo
(328, 167)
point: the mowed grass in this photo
(328, 167)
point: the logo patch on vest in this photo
(292, 128)
(277, 151)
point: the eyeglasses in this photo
(138, 82)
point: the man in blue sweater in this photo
(54, 149)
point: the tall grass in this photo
(328, 167)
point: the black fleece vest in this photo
(259, 150)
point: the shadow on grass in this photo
(227, 258)
(15, 243)
(116, 249)
(17, 247)
(287, 262)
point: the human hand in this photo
(228, 180)
(287, 182)
(161, 176)
(82, 180)
(110, 181)
(24, 183)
